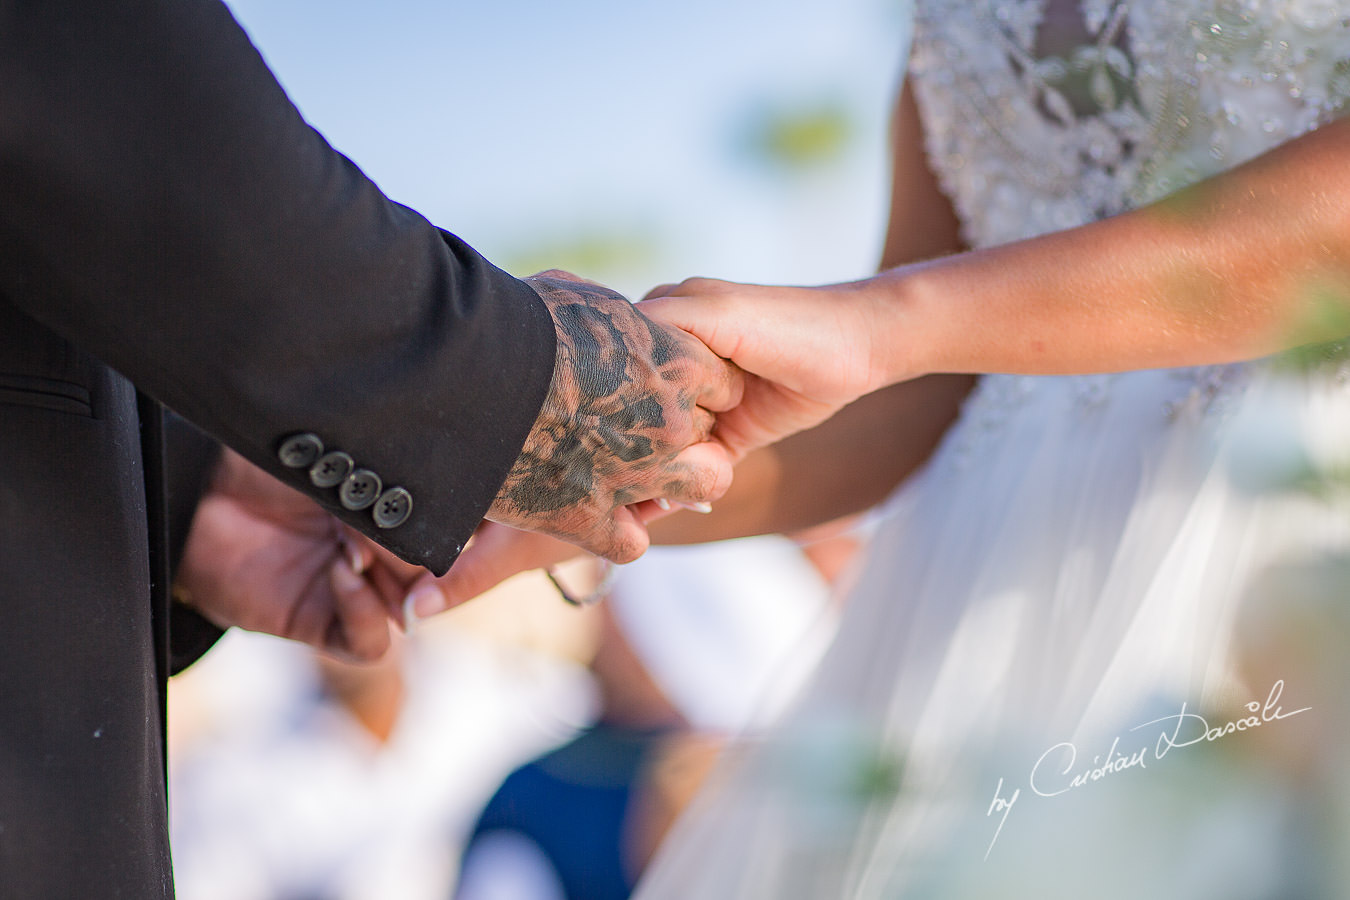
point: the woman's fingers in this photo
(661, 290)
(702, 307)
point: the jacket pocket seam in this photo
(45, 393)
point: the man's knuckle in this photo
(672, 439)
(722, 478)
(628, 548)
(700, 482)
(678, 427)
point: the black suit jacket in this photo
(168, 221)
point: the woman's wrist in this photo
(904, 333)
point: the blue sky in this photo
(522, 125)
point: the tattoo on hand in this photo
(617, 412)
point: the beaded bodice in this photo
(1046, 114)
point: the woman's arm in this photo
(858, 456)
(1242, 265)
(1245, 264)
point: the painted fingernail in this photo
(697, 507)
(355, 558)
(410, 619)
(662, 503)
(345, 579)
(423, 602)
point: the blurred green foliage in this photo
(598, 252)
(1324, 313)
(796, 137)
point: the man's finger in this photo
(701, 473)
(355, 543)
(390, 589)
(721, 385)
(360, 626)
(620, 539)
(703, 423)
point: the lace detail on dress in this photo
(1030, 131)
(1157, 94)
(1209, 391)
(993, 402)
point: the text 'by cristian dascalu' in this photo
(1059, 770)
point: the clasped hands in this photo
(650, 405)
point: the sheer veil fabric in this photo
(1073, 557)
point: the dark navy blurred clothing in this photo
(573, 804)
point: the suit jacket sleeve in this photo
(164, 206)
(190, 457)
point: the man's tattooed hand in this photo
(627, 419)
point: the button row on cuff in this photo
(357, 488)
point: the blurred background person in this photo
(695, 645)
(295, 775)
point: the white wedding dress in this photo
(1074, 555)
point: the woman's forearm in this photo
(1240, 266)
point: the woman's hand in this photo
(809, 351)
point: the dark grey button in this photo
(300, 450)
(331, 469)
(393, 508)
(360, 489)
